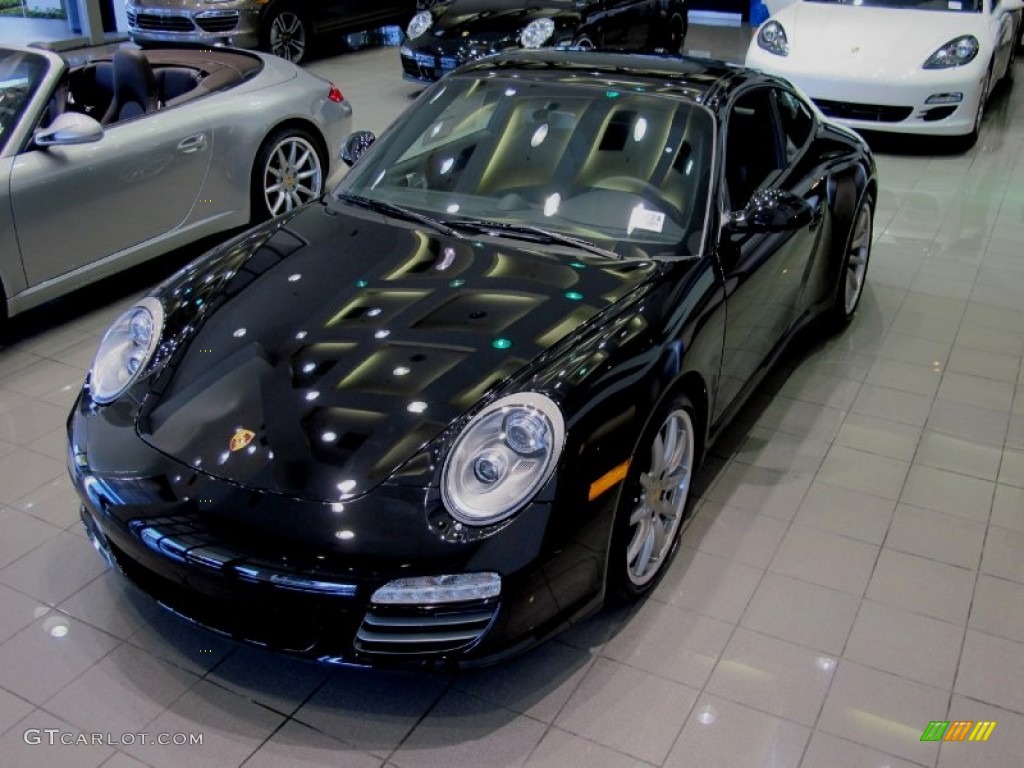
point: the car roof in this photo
(697, 79)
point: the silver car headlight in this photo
(536, 33)
(772, 37)
(419, 24)
(502, 458)
(955, 53)
(126, 349)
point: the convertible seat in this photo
(135, 87)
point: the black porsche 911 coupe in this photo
(444, 412)
(448, 33)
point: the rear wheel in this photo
(654, 501)
(853, 269)
(289, 172)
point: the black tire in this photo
(853, 265)
(968, 140)
(629, 576)
(586, 42)
(286, 32)
(268, 170)
(678, 26)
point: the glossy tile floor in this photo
(855, 569)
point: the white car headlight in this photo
(536, 33)
(502, 458)
(955, 53)
(419, 24)
(772, 37)
(126, 349)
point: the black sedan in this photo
(450, 33)
(443, 413)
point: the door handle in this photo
(192, 144)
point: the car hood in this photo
(845, 35)
(492, 17)
(346, 341)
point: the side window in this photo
(796, 122)
(752, 154)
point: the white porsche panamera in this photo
(907, 66)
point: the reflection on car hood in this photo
(346, 341)
(846, 34)
(491, 17)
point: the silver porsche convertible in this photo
(130, 156)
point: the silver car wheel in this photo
(664, 489)
(293, 176)
(857, 258)
(288, 36)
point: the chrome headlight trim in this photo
(956, 53)
(419, 24)
(772, 38)
(536, 33)
(503, 456)
(126, 349)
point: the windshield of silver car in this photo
(621, 166)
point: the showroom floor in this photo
(854, 571)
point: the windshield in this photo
(962, 6)
(625, 169)
(20, 75)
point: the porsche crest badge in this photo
(855, 50)
(240, 439)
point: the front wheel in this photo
(677, 26)
(654, 501)
(289, 172)
(286, 34)
(853, 269)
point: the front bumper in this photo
(218, 555)
(428, 59)
(872, 97)
(186, 26)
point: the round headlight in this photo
(126, 349)
(536, 33)
(419, 24)
(502, 458)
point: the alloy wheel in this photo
(857, 258)
(664, 489)
(288, 37)
(294, 175)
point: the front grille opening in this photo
(877, 113)
(423, 631)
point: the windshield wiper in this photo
(400, 212)
(530, 232)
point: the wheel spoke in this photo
(637, 543)
(643, 559)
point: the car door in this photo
(74, 205)
(764, 272)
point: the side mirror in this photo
(355, 146)
(69, 128)
(771, 210)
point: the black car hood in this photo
(494, 17)
(345, 342)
